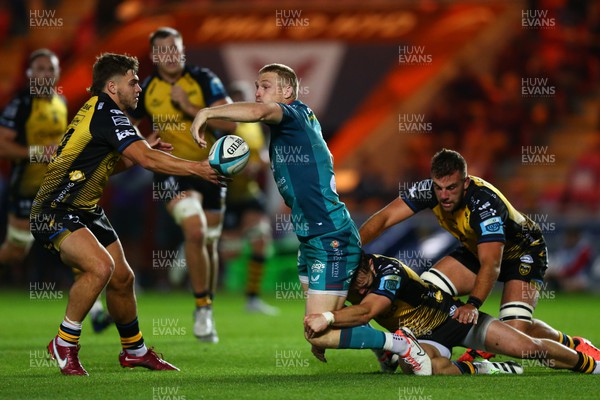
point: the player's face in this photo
(128, 90)
(270, 88)
(168, 55)
(363, 281)
(43, 74)
(450, 190)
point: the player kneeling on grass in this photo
(389, 292)
(100, 141)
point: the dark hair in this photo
(41, 53)
(287, 75)
(446, 162)
(163, 32)
(108, 65)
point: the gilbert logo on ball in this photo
(229, 155)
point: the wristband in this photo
(329, 317)
(475, 302)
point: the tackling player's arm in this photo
(269, 113)
(158, 161)
(395, 212)
(9, 148)
(370, 307)
(490, 258)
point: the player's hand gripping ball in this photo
(229, 155)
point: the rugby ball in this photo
(229, 155)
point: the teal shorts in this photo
(327, 262)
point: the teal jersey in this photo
(303, 170)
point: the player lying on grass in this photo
(392, 294)
(498, 244)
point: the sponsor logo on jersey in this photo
(527, 259)
(120, 120)
(488, 213)
(115, 111)
(390, 283)
(122, 134)
(317, 267)
(492, 226)
(76, 176)
(483, 207)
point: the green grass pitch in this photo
(258, 357)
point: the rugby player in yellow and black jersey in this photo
(498, 243)
(387, 291)
(31, 126)
(171, 97)
(66, 218)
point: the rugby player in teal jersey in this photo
(302, 167)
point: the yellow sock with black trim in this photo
(69, 333)
(203, 299)
(255, 274)
(585, 364)
(566, 340)
(132, 340)
(465, 367)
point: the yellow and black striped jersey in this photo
(203, 89)
(39, 123)
(245, 187)
(485, 216)
(86, 156)
(418, 305)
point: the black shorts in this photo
(450, 334)
(50, 227)
(168, 187)
(233, 215)
(530, 267)
(20, 206)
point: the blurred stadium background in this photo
(513, 85)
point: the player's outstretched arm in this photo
(270, 113)
(370, 307)
(395, 212)
(158, 161)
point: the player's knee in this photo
(439, 279)
(123, 281)
(195, 234)
(104, 269)
(518, 314)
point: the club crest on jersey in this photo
(335, 244)
(524, 269)
(76, 176)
